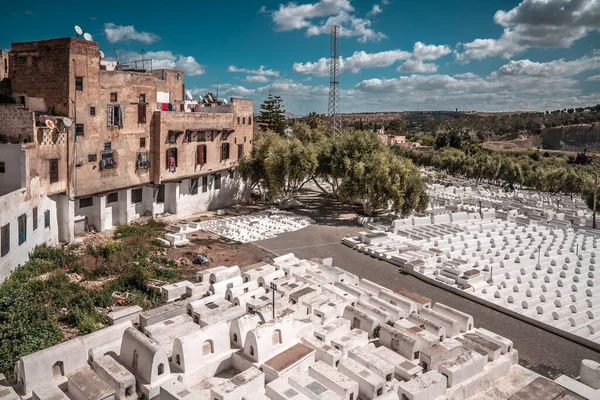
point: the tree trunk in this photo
(321, 188)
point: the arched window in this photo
(276, 337)
(161, 369)
(177, 359)
(134, 362)
(207, 348)
(58, 370)
(251, 350)
(235, 337)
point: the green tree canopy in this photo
(355, 167)
(272, 115)
(313, 119)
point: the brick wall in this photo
(44, 69)
(16, 121)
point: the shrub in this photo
(147, 229)
(105, 250)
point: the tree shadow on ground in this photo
(324, 210)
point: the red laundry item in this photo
(165, 107)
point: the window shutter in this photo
(122, 119)
(200, 155)
(141, 113)
(109, 116)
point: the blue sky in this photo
(397, 55)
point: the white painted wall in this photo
(14, 163)
(65, 215)
(232, 191)
(13, 205)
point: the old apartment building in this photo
(135, 146)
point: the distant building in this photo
(395, 140)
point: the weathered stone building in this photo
(131, 149)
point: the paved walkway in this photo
(543, 352)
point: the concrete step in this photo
(174, 237)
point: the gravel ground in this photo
(543, 352)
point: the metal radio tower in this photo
(334, 91)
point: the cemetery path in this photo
(543, 352)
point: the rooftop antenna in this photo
(88, 37)
(217, 99)
(334, 82)
(78, 30)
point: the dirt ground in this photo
(219, 251)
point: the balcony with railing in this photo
(108, 161)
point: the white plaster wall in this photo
(232, 191)
(65, 214)
(13, 205)
(13, 158)
(91, 213)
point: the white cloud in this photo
(414, 65)
(424, 52)
(261, 71)
(549, 69)
(466, 75)
(317, 19)
(362, 60)
(189, 66)
(119, 33)
(594, 78)
(165, 59)
(537, 23)
(293, 16)
(467, 91)
(375, 10)
(357, 61)
(256, 78)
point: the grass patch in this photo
(148, 229)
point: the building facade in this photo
(3, 64)
(112, 144)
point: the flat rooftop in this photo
(288, 357)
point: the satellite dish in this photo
(225, 101)
(102, 55)
(189, 95)
(50, 124)
(210, 98)
(87, 37)
(68, 122)
(78, 30)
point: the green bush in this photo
(148, 229)
(165, 274)
(59, 256)
(104, 250)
